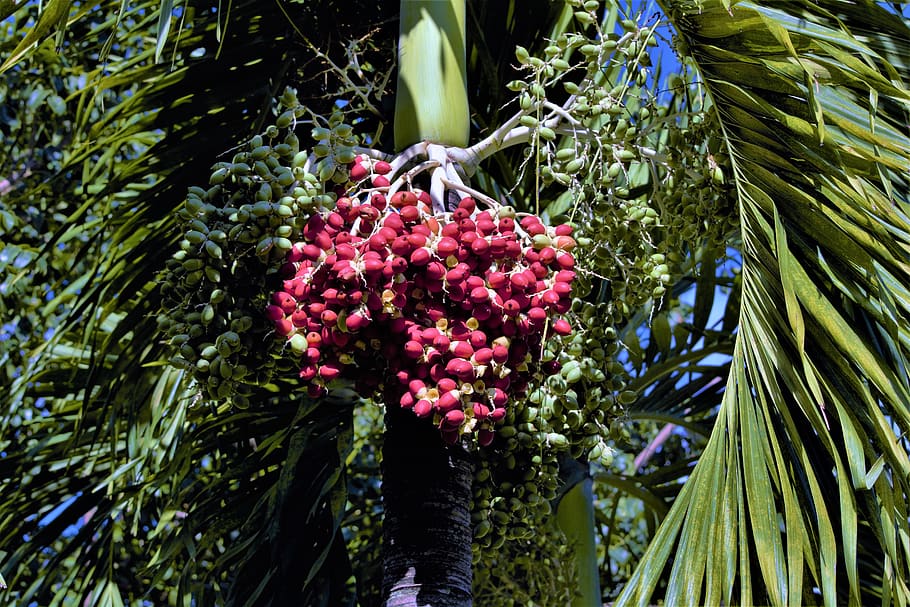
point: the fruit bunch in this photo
(442, 313)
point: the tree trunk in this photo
(426, 488)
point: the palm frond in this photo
(799, 496)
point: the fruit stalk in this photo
(432, 96)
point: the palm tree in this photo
(799, 494)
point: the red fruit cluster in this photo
(443, 313)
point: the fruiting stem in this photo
(431, 103)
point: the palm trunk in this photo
(426, 490)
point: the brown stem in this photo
(426, 487)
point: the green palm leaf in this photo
(799, 495)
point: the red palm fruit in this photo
(372, 266)
(343, 207)
(519, 281)
(463, 370)
(513, 250)
(316, 390)
(420, 257)
(500, 353)
(330, 370)
(497, 414)
(485, 226)
(316, 308)
(480, 246)
(403, 198)
(424, 197)
(314, 339)
(565, 261)
(382, 167)
(485, 437)
(312, 354)
(498, 247)
(467, 203)
(403, 376)
(299, 318)
(478, 338)
(562, 327)
(358, 171)
(461, 349)
(483, 356)
(307, 372)
(407, 400)
(562, 288)
(467, 238)
(334, 220)
(344, 251)
(499, 398)
(483, 311)
(399, 265)
(563, 229)
(378, 201)
(539, 270)
(537, 316)
(510, 307)
(446, 384)
(550, 297)
(329, 317)
(534, 229)
(312, 252)
(323, 241)
(417, 387)
(442, 342)
(467, 225)
(401, 246)
(564, 276)
(417, 239)
(284, 327)
(529, 220)
(458, 273)
(450, 229)
(435, 270)
(454, 418)
(449, 401)
(506, 224)
(409, 214)
(547, 255)
(314, 225)
(423, 408)
(429, 334)
(481, 411)
(274, 313)
(497, 280)
(393, 221)
(446, 246)
(563, 306)
(356, 322)
(479, 294)
(379, 181)
(413, 349)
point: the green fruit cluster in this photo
(236, 234)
